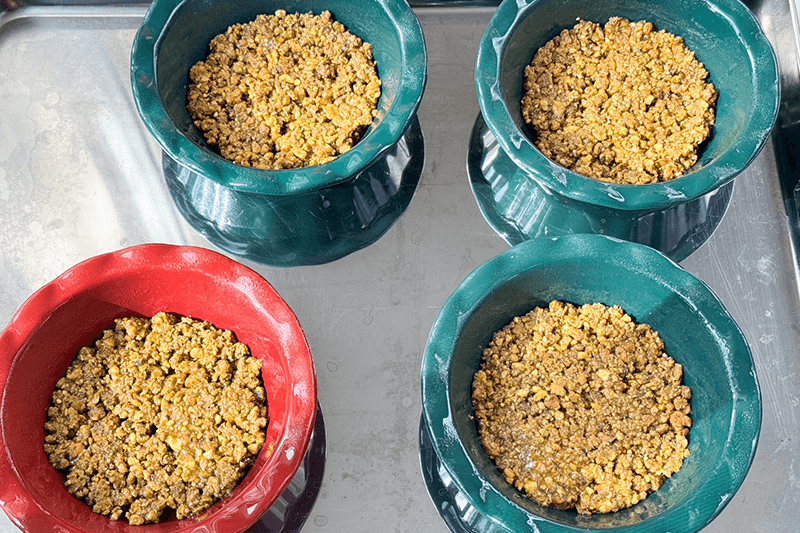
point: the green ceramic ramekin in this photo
(290, 217)
(697, 331)
(175, 35)
(725, 37)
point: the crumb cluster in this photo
(580, 407)
(619, 103)
(161, 413)
(285, 91)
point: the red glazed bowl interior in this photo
(70, 312)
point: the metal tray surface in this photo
(80, 176)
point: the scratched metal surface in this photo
(80, 176)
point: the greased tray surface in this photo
(80, 176)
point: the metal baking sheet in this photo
(80, 176)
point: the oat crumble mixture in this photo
(285, 91)
(580, 408)
(619, 103)
(161, 413)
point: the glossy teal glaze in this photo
(175, 34)
(305, 228)
(519, 209)
(724, 36)
(697, 331)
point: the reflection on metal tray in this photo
(787, 131)
(293, 506)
